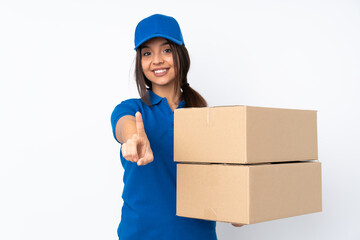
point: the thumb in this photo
(140, 125)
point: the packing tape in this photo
(209, 116)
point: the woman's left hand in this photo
(237, 224)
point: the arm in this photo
(125, 128)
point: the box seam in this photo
(246, 136)
(249, 194)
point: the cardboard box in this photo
(244, 134)
(248, 194)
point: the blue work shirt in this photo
(149, 194)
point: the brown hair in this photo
(181, 64)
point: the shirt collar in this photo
(155, 99)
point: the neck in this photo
(168, 93)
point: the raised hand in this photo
(137, 149)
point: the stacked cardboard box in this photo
(245, 164)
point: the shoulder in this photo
(131, 104)
(127, 107)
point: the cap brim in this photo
(159, 35)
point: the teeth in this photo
(160, 71)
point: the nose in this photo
(157, 59)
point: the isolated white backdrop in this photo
(64, 65)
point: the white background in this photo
(64, 66)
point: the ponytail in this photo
(192, 98)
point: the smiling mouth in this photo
(161, 70)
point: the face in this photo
(157, 62)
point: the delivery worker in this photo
(145, 128)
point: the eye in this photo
(167, 50)
(146, 54)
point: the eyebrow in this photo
(164, 43)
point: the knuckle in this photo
(134, 155)
(129, 158)
(124, 152)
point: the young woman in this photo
(145, 126)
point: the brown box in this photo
(244, 134)
(248, 193)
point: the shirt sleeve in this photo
(127, 107)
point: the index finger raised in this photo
(139, 124)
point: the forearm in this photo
(125, 128)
